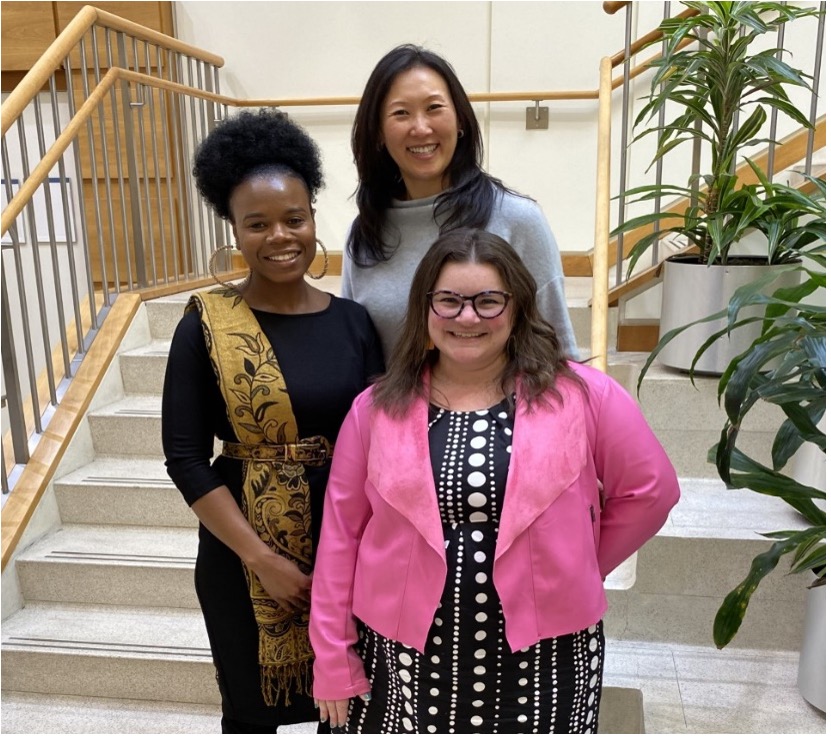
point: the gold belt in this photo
(313, 452)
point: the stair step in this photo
(164, 314)
(130, 426)
(702, 552)
(129, 491)
(157, 654)
(143, 369)
(38, 713)
(687, 419)
(113, 565)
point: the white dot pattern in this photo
(468, 680)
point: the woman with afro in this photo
(268, 367)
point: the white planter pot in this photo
(692, 291)
(811, 679)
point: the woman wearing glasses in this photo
(459, 581)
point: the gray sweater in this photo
(383, 288)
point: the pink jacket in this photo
(382, 560)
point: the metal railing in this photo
(98, 200)
(767, 163)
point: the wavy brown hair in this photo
(534, 353)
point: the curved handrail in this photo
(610, 8)
(34, 80)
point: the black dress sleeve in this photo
(192, 412)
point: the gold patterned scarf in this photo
(275, 490)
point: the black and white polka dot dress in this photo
(468, 681)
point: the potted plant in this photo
(717, 81)
(784, 366)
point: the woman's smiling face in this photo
(419, 127)
(468, 341)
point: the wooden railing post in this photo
(600, 264)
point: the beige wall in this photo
(284, 49)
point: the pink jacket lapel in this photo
(548, 453)
(399, 463)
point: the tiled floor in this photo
(687, 690)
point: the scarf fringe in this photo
(285, 680)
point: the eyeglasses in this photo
(487, 304)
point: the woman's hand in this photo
(284, 582)
(334, 712)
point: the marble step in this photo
(143, 369)
(683, 690)
(128, 491)
(703, 552)
(112, 565)
(154, 654)
(687, 418)
(129, 426)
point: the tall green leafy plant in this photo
(786, 367)
(717, 81)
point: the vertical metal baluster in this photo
(171, 174)
(212, 116)
(67, 219)
(659, 165)
(229, 237)
(11, 374)
(93, 163)
(183, 176)
(35, 244)
(132, 170)
(194, 132)
(774, 112)
(119, 171)
(105, 160)
(624, 141)
(13, 377)
(140, 106)
(695, 185)
(156, 163)
(809, 154)
(79, 178)
(53, 244)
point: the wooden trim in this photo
(41, 467)
(576, 263)
(600, 261)
(638, 335)
(610, 8)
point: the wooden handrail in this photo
(600, 266)
(59, 49)
(647, 39)
(41, 466)
(610, 8)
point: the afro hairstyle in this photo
(249, 143)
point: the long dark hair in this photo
(534, 353)
(467, 202)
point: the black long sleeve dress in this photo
(327, 358)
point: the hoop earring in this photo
(461, 133)
(212, 269)
(325, 262)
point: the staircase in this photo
(102, 631)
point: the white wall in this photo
(304, 49)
